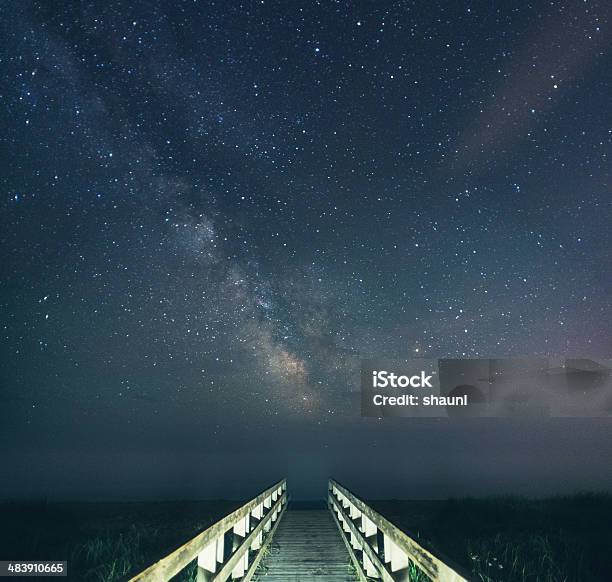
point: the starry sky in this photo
(210, 211)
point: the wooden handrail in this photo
(379, 549)
(215, 561)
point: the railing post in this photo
(369, 568)
(207, 562)
(241, 529)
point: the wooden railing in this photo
(233, 546)
(378, 549)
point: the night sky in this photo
(210, 211)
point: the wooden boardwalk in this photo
(306, 547)
(265, 541)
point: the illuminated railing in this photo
(231, 547)
(378, 549)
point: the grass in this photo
(511, 539)
(415, 574)
(112, 556)
(505, 539)
(530, 558)
(103, 542)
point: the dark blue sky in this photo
(210, 210)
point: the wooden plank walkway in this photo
(306, 546)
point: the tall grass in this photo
(105, 542)
(415, 574)
(513, 539)
(532, 558)
(545, 541)
(109, 557)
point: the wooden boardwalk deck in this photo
(306, 547)
(272, 541)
